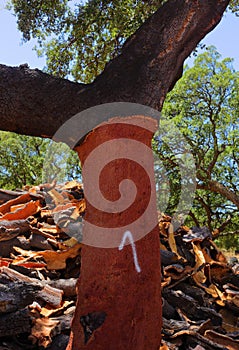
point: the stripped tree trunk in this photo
(119, 301)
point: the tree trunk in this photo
(119, 301)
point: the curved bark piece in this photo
(35, 103)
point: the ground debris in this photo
(39, 265)
(200, 291)
(40, 260)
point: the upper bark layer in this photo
(35, 103)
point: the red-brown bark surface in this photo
(110, 285)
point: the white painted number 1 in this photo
(128, 235)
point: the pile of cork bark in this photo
(200, 291)
(40, 260)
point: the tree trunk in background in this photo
(119, 301)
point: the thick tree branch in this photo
(151, 61)
(217, 187)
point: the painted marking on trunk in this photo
(128, 235)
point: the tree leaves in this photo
(78, 39)
(204, 106)
(22, 159)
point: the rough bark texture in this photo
(15, 323)
(24, 290)
(151, 62)
(118, 307)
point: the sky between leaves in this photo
(13, 52)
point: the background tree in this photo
(204, 106)
(23, 159)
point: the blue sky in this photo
(13, 52)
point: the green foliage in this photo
(78, 39)
(60, 163)
(234, 7)
(228, 241)
(204, 105)
(23, 158)
(174, 169)
(35, 16)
